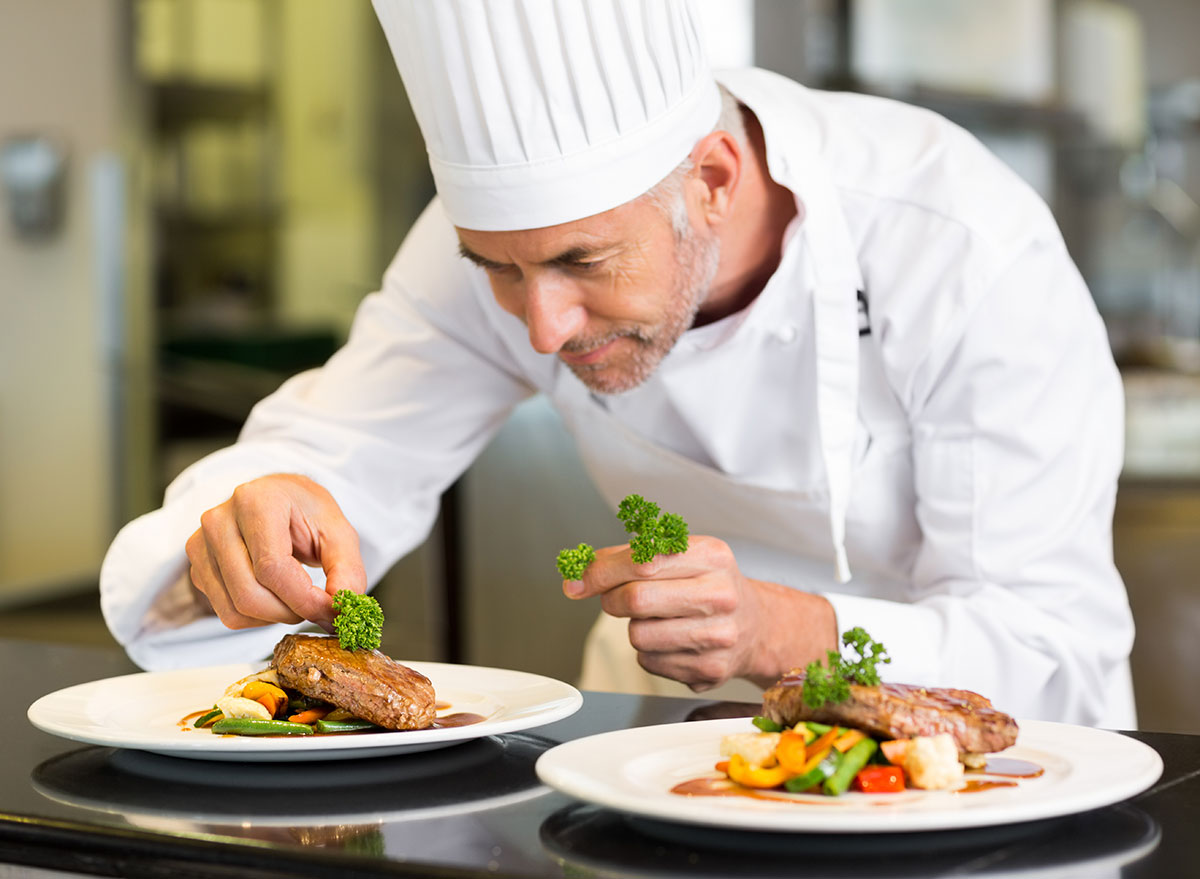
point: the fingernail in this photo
(573, 588)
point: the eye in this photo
(503, 272)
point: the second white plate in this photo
(634, 771)
(144, 711)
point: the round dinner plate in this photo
(634, 770)
(145, 711)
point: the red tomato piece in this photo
(879, 780)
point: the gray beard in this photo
(696, 261)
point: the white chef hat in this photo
(539, 112)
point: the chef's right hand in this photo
(247, 556)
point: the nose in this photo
(554, 313)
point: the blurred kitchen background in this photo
(195, 195)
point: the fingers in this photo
(247, 556)
(207, 577)
(613, 567)
(264, 532)
(696, 597)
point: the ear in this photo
(717, 164)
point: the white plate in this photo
(634, 770)
(143, 711)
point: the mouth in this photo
(590, 357)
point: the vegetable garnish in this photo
(358, 622)
(831, 682)
(573, 562)
(654, 533)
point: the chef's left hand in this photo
(695, 618)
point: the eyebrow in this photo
(570, 256)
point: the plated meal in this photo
(314, 686)
(836, 750)
(361, 703)
(323, 685)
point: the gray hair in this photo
(667, 194)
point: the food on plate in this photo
(323, 684)
(899, 711)
(830, 728)
(368, 684)
(654, 533)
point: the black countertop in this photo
(477, 809)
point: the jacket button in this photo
(786, 334)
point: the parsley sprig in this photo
(831, 682)
(358, 621)
(654, 533)
(573, 562)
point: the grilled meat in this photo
(364, 682)
(899, 711)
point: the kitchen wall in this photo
(73, 313)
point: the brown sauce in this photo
(461, 718)
(188, 721)
(975, 785)
(710, 786)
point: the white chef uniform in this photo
(918, 416)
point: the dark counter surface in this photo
(477, 809)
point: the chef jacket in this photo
(918, 417)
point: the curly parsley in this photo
(358, 620)
(831, 682)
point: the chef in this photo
(831, 331)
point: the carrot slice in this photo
(309, 715)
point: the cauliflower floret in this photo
(931, 762)
(757, 748)
(240, 707)
(270, 675)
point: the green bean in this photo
(852, 762)
(344, 726)
(766, 724)
(207, 716)
(246, 726)
(819, 773)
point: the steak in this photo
(366, 683)
(899, 711)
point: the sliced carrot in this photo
(722, 766)
(823, 743)
(848, 740)
(310, 715)
(267, 695)
(895, 750)
(791, 752)
(815, 760)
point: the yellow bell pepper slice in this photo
(749, 775)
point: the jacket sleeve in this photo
(1016, 415)
(373, 426)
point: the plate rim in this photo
(555, 769)
(562, 701)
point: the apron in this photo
(796, 537)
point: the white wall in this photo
(62, 73)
